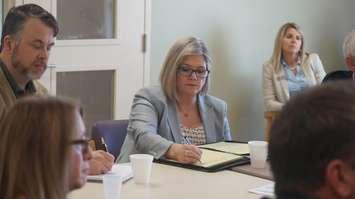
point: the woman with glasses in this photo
(290, 69)
(43, 150)
(171, 119)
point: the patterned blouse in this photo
(194, 136)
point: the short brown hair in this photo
(18, 16)
(312, 129)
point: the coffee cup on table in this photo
(141, 166)
(258, 153)
(112, 186)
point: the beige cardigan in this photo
(7, 96)
(275, 86)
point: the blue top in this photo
(296, 82)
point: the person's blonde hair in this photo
(277, 53)
(34, 148)
(181, 48)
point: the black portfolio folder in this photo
(217, 156)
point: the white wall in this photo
(240, 35)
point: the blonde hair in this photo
(349, 44)
(277, 53)
(34, 148)
(181, 48)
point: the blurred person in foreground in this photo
(313, 142)
(43, 149)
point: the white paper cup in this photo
(112, 186)
(141, 166)
(258, 153)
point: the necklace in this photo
(293, 67)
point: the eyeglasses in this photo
(83, 143)
(187, 71)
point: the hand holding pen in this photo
(188, 141)
(184, 153)
(101, 161)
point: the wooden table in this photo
(261, 173)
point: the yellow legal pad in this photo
(212, 158)
(217, 156)
(228, 147)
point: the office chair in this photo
(113, 133)
(338, 75)
(269, 116)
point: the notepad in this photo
(265, 190)
(211, 158)
(216, 156)
(228, 147)
(125, 171)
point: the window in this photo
(94, 90)
(86, 19)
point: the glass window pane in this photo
(86, 19)
(94, 89)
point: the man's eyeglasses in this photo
(187, 71)
(83, 143)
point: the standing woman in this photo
(290, 69)
(43, 150)
(170, 119)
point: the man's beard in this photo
(23, 70)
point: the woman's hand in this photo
(101, 162)
(184, 153)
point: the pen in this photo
(187, 140)
(104, 144)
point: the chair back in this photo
(269, 117)
(337, 75)
(113, 132)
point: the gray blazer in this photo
(154, 124)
